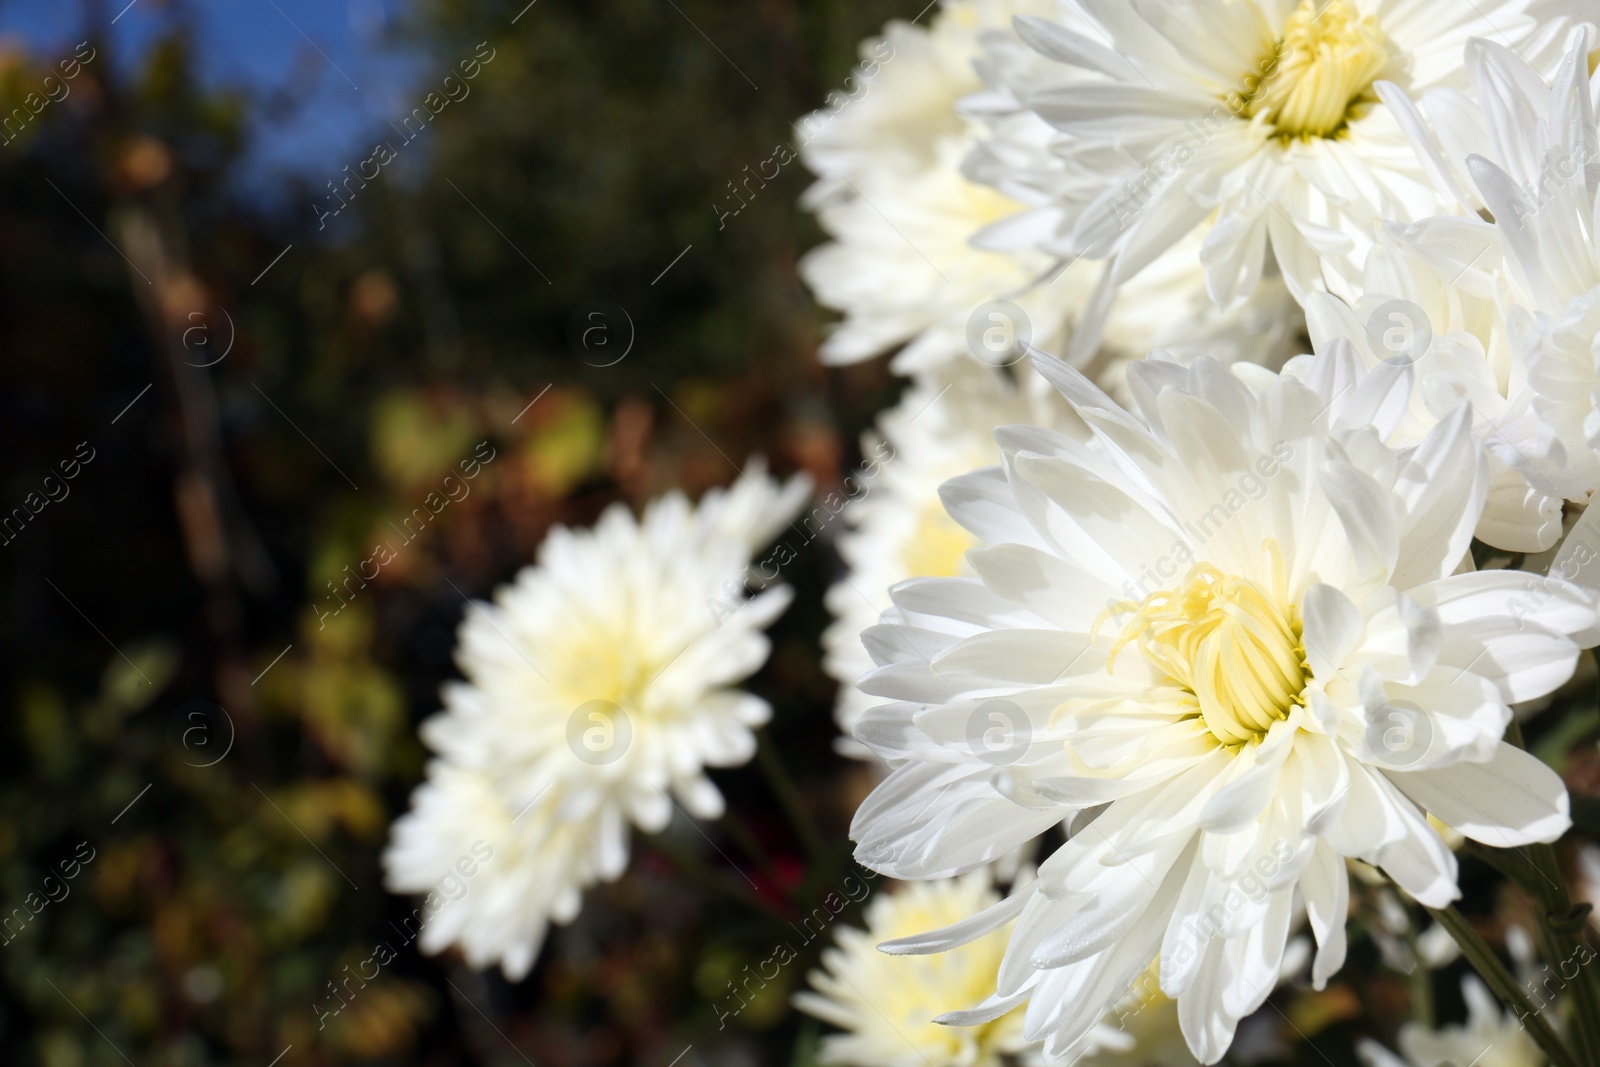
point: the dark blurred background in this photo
(217, 393)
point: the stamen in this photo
(1227, 640)
(1322, 72)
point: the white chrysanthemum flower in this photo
(1165, 306)
(886, 1004)
(903, 272)
(1458, 343)
(1524, 149)
(1228, 641)
(891, 194)
(1140, 1030)
(901, 103)
(600, 680)
(493, 880)
(1166, 309)
(1490, 1038)
(1258, 122)
(907, 265)
(943, 426)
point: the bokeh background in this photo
(253, 390)
(263, 389)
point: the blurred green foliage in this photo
(192, 559)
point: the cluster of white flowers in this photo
(1210, 611)
(1198, 600)
(599, 685)
(923, 262)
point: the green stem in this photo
(1503, 984)
(1561, 937)
(1561, 927)
(789, 797)
(1421, 981)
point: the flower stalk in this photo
(1503, 984)
(1561, 924)
(1421, 979)
(788, 795)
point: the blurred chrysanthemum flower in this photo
(891, 194)
(887, 1004)
(943, 426)
(600, 684)
(1489, 1038)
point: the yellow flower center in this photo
(1228, 641)
(908, 991)
(595, 667)
(938, 545)
(1321, 71)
